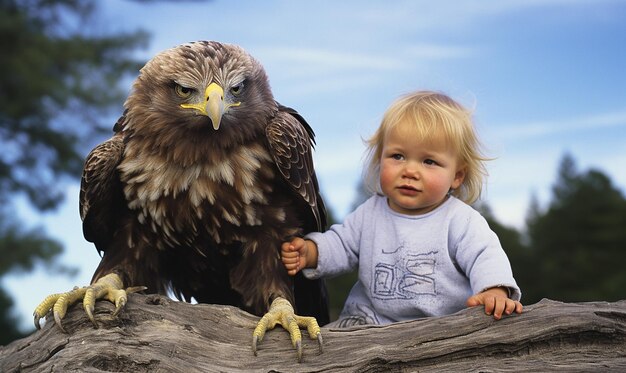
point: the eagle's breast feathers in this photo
(226, 195)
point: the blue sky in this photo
(543, 77)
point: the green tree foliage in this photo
(574, 249)
(20, 251)
(579, 242)
(57, 78)
(51, 75)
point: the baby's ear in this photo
(459, 176)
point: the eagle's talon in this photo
(44, 308)
(57, 320)
(89, 308)
(282, 312)
(254, 343)
(36, 319)
(108, 287)
(319, 342)
(299, 350)
(89, 305)
(119, 304)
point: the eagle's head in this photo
(205, 89)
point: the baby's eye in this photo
(430, 162)
(397, 156)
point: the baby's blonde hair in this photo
(432, 116)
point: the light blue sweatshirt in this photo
(412, 266)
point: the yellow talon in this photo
(43, 308)
(109, 287)
(282, 312)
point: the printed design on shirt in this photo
(411, 275)
(358, 315)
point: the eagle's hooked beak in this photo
(214, 107)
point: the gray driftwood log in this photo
(156, 334)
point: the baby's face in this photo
(416, 175)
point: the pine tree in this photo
(57, 77)
(579, 242)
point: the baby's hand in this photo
(496, 302)
(293, 255)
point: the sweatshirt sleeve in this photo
(480, 256)
(338, 248)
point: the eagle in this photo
(204, 177)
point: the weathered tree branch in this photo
(154, 333)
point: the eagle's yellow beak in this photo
(213, 105)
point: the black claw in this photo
(95, 324)
(299, 350)
(89, 311)
(320, 342)
(57, 319)
(118, 307)
(254, 340)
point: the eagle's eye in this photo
(236, 89)
(183, 92)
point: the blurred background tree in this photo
(58, 77)
(578, 244)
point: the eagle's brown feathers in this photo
(173, 203)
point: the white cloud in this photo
(327, 70)
(431, 51)
(450, 16)
(545, 128)
(305, 60)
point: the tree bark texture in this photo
(156, 334)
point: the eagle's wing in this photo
(101, 194)
(291, 139)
